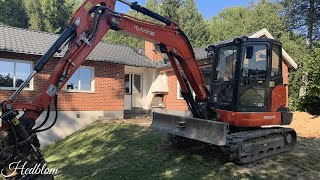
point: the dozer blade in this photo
(212, 132)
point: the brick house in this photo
(96, 90)
(114, 80)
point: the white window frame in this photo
(79, 82)
(141, 81)
(130, 85)
(14, 73)
(179, 96)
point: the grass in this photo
(123, 151)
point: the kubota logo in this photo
(141, 29)
(269, 117)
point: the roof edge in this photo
(30, 30)
(286, 56)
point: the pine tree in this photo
(237, 21)
(12, 13)
(169, 9)
(188, 18)
(49, 15)
(303, 16)
(193, 23)
(119, 38)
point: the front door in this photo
(137, 90)
(253, 85)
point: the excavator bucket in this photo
(212, 132)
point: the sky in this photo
(208, 8)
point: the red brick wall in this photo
(171, 101)
(285, 73)
(109, 87)
(151, 53)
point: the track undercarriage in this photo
(251, 145)
(248, 146)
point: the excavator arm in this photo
(176, 45)
(86, 28)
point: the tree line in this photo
(294, 22)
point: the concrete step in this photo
(136, 113)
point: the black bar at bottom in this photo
(150, 13)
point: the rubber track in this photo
(236, 141)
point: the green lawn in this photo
(123, 151)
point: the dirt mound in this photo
(306, 125)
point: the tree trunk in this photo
(310, 22)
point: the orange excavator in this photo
(246, 98)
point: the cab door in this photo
(253, 91)
(278, 88)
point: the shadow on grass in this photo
(122, 151)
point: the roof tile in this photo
(35, 42)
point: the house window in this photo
(127, 84)
(13, 73)
(276, 61)
(179, 95)
(206, 72)
(82, 80)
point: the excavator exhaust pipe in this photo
(207, 131)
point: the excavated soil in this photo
(306, 125)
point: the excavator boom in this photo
(86, 28)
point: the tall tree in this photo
(119, 38)
(153, 5)
(193, 23)
(169, 8)
(303, 16)
(49, 15)
(310, 101)
(12, 13)
(185, 12)
(236, 21)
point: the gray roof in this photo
(200, 53)
(261, 33)
(37, 43)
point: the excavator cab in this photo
(244, 74)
